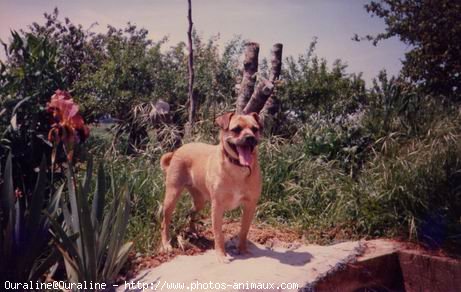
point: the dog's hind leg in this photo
(172, 194)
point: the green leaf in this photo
(38, 196)
(55, 200)
(87, 234)
(99, 197)
(62, 237)
(75, 218)
(41, 267)
(7, 196)
(88, 175)
(121, 259)
(118, 234)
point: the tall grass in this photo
(330, 182)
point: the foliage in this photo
(24, 238)
(334, 179)
(26, 83)
(309, 86)
(121, 73)
(146, 180)
(91, 242)
(339, 161)
(404, 185)
(433, 31)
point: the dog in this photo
(227, 174)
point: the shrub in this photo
(91, 242)
(24, 237)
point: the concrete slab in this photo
(277, 268)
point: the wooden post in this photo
(258, 99)
(265, 87)
(276, 62)
(250, 67)
(276, 68)
(192, 95)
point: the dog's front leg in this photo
(217, 213)
(249, 208)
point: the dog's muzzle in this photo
(244, 147)
(249, 140)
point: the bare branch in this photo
(192, 96)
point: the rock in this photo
(267, 269)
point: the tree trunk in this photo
(192, 95)
(260, 96)
(250, 67)
(265, 87)
(276, 62)
(270, 107)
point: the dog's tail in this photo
(165, 160)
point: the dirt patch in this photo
(194, 244)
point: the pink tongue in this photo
(244, 155)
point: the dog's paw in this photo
(166, 248)
(223, 259)
(244, 251)
(242, 248)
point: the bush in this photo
(24, 237)
(90, 240)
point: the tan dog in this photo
(226, 174)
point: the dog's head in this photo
(239, 135)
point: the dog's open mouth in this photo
(244, 152)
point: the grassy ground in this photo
(397, 186)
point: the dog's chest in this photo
(235, 199)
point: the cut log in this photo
(250, 67)
(260, 96)
(276, 62)
(260, 100)
(270, 106)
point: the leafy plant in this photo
(27, 80)
(90, 242)
(432, 30)
(25, 247)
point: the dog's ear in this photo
(224, 120)
(257, 119)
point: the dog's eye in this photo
(254, 129)
(237, 130)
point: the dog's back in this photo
(188, 158)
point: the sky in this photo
(294, 23)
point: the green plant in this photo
(27, 81)
(309, 86)
(146, 179)
(25, 247)
(432, 31)
(91, 242)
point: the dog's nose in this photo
(250, 140)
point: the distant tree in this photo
(310, 86)
(120, 75)
(432, 29)
(113, 71)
